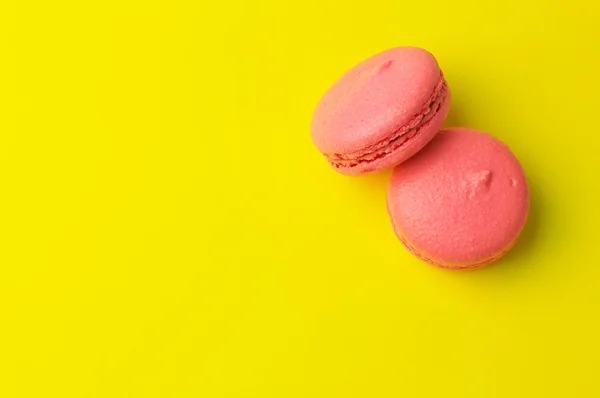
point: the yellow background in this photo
(168, 229)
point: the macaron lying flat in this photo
(461, 202)
(382, 111)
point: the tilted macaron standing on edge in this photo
(382, 111)
(461, 202)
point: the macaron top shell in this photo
(374, 99)
(461, 202)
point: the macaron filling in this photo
(400, 137)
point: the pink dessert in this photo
(461, 202)
(382, 111)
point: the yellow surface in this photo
(168, 230)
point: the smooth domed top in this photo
(463, 199)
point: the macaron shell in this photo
(461, 202)
(408, 149)
(373, 99)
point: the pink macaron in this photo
(461, 202)
(382, 111)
